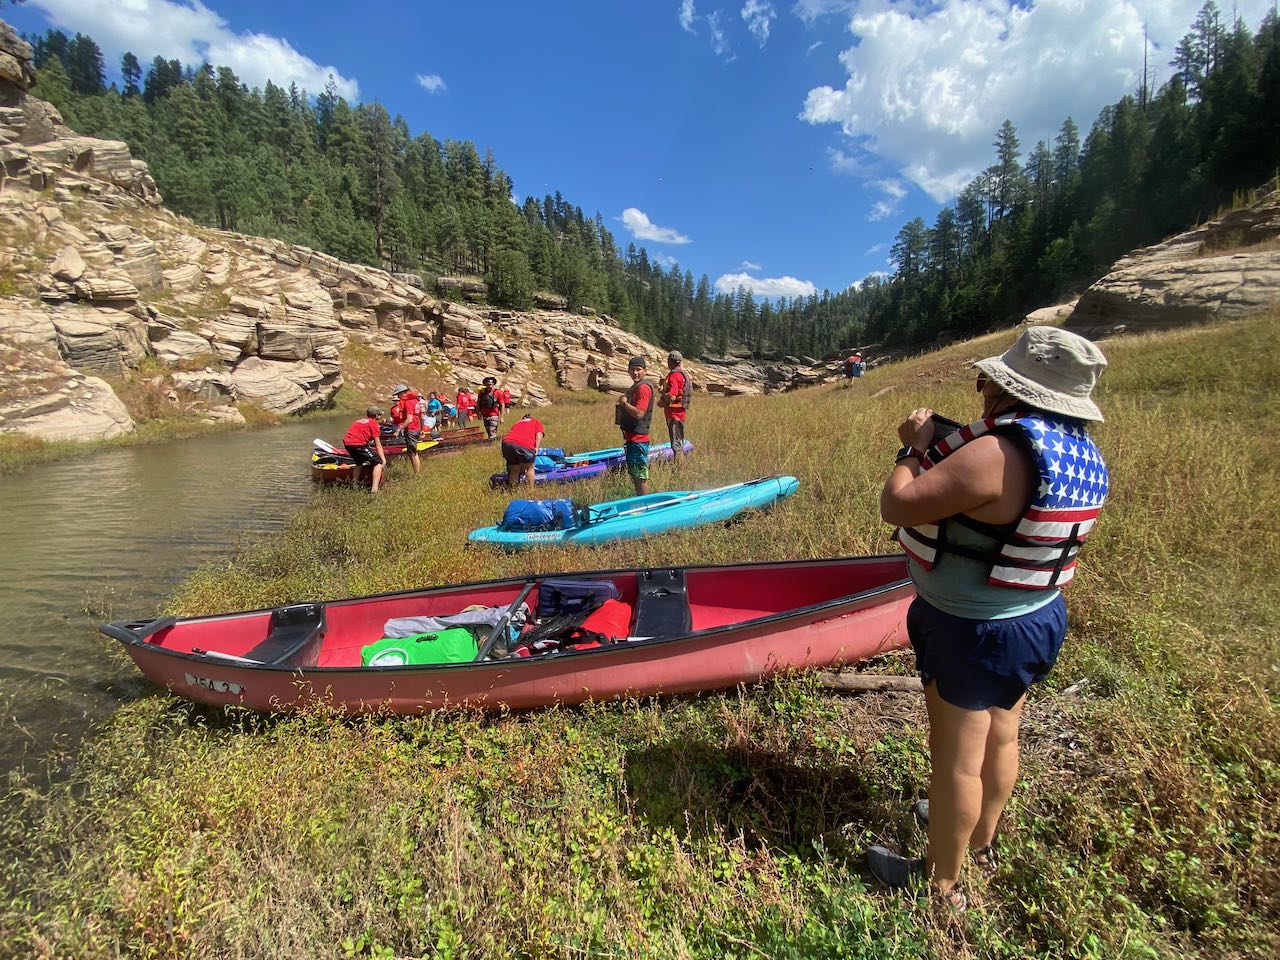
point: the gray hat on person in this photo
(637, 362)
(1051, 369)
(675, 357)
(398, 389)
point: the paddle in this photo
(693, 495)
(501, 626)
(327, 447)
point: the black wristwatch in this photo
(908, 452)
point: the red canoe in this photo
(325, 470)
(746, 622)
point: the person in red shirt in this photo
(466, 405)
(675, 401)
(406, 413)
(364, 442)
(504, 402)
(520, 448)
(634, 414)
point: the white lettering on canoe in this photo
(217, 686)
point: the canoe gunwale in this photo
(816, 612)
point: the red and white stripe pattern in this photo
(1041, 551)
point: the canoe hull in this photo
(844, 630)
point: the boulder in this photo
(282, 386)
(100, 341)
(23, 325)
(283, 341)
(68, 265)
(609, 381)
(175, 346)
(77, 408)
(212, 386)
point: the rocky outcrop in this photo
(1227, 268)
(96, 276)
(43, 396)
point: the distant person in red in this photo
(853, 366)
(489, 406)
(634, 414)
(406, 413)
(466, 405)
(674, 401)
(504, 401)
(520, 448)
(364, 442)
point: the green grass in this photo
(1145, 823)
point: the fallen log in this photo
(868, 683)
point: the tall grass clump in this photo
(728, 825)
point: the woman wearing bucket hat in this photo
(991, 516)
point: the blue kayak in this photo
(637, 517)
(657, 451)
(584, 466)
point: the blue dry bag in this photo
(543, 464)
(555, 453)
(527, 515)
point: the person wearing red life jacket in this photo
(363, 441)
(466, 405)
(520, 449)
(406, 413)
(489, 406)
(674, 400)
(634, 414)
(992, 516)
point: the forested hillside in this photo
(354, 181)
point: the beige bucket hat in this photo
(1051, 369)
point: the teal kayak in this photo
(637, 517)
(616, 455)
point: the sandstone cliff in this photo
(1226, 268)
(98, 280)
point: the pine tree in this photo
(131, 72)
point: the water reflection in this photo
(109, 535)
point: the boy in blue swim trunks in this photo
(634, 414)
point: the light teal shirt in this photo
(958, 585)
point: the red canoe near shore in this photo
(740, 624)
(327, 469)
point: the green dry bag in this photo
(455, 645)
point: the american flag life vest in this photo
(1038, 551)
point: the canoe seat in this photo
(662, 604)
(293, 637)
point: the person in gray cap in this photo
(674, 400)
(992, 517)
(634, 414)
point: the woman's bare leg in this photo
(999, 771)
(957, 746)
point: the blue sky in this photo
(778, 142)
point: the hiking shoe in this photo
(893, 869)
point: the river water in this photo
(107, 537)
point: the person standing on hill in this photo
(406, 413)
(520, 449)
(634, 414)
(674, 400)
(489, 406)
(363, 441)
(991, 519)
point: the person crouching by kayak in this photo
(364, 443)
(634, 414)
(520, 449)
(406, 413)
(489, 406)
(675, 402)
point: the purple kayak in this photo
(584, 466)
(563, 474)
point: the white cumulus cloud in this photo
(765, 286)
(688, 15)
(758, 17)
(927, 86)
(430, 82)
(748, 265)
(191, 32)
(642, 228)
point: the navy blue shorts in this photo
(979, 664)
